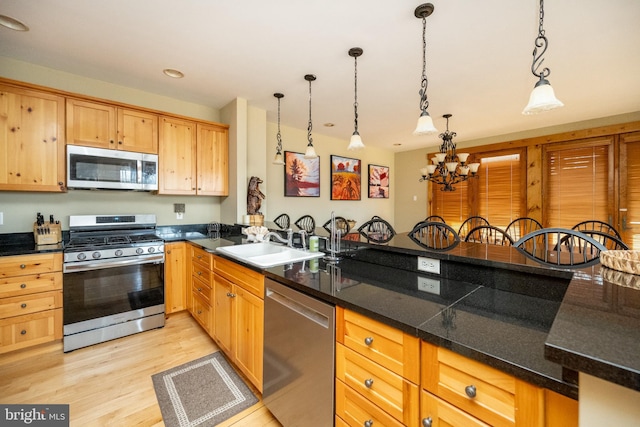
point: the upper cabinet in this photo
(93, 124)
(193, 158)
(31, 141)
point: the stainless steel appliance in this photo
(113, 278)
(98, 168)
(299, 337)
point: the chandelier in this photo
(449, 168)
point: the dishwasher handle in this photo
(299, 308)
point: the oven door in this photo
(111, 301)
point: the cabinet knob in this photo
(22, 286)
(111, 141)
(199, 273)
(23, 332)
(199, 311)
(23, 266)
(120, 142)
(470, 390)
(23, 305)
(368, 340)
(427, 422)
(169, 252)
(230, 295)
(368, 383)
(199, 289)
(368, 423)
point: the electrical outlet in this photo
(1, 218)
(429, 265)
(426, 284)
(179, 215)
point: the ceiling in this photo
(479, 57)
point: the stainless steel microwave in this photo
(97, 168)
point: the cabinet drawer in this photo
(202, 290)
(390, 347)
(202, 257)
(30, 329)
(198, 271)
(355, 410)
(493, 396)
(23, 285)
(439, 412)
(250, 280)
(27, 304)
(384, 388)
(21, 265)
(201, 311)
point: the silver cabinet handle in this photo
(470, 390)
(427, 422)
(22, 286)
(230, 295)
(23, 266)
(23, 332)
(368, 383)
(368, 423)
(368, 340)
(23, 305)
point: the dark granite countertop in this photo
(24, 244)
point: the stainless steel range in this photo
(113, 278)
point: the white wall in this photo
(603, 403)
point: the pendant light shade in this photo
(542, 97)
(278, 160)
(355, 143)
(425, 123)
(310, 152)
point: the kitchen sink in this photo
(267, 254)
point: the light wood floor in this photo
(109, 384)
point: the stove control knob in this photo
(151, 249)
(139, 251)
(82, 256)
(119, 252)
(96, 255)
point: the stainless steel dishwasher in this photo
(299, 341)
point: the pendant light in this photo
(310, 153)
(425, 123)
(542, 97)
(278, 160)
(356, 142)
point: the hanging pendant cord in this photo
(310, 126)
(424, 103)
(355, 103)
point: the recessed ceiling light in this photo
(12, 23)
(397, 144)
(173, 73)
(329, 125)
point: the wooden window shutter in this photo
(578, 182)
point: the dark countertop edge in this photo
(598, 368)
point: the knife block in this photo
(47, 233)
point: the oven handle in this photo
(110, 263)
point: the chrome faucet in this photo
(303, 237)
(288, 240)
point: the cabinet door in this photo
(91, 124)
(32, 143)
(137, 131)
(177, 157)
(175, 277)
(223, 313)
(213, 160)
(249, 335)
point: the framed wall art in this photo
(345, 178)
(301, 176)
(378, 182)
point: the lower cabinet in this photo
(176, 277)
(30, 300)
(227, 300)
(386, 377)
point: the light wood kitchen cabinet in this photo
(193, 158)
(176, 277)
(490, 395)
(32, 156)
(199, 297)
(377, 372)
(239, 316)
(436, 412)
(30, 300)
(94, 124)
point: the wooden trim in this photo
(24, 85)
